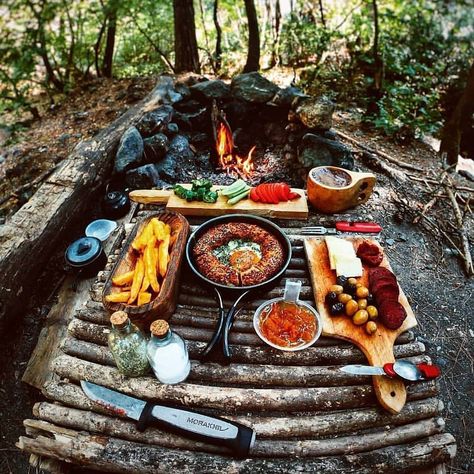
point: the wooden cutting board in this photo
(295, 209)
(378, 348)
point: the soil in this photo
(428, 269)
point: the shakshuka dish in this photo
(238, 254)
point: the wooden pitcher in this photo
(355, 189)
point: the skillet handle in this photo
(218, 332)
(229, 320)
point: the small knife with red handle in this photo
(402, 368)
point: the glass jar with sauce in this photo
(287, 323)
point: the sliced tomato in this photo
(287, 191)
(262, 193)
(273, 193)
(253, 195)
(294, 195)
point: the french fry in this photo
(159, 229)
(123, 279)
(163, 255)
(145, 284)
(137, 280)
(140, 241)
(118, 297)
(143, 298)
(150, 265)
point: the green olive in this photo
(362, 292)
(373, 312)
(351, 307)
(370, 327)
(358, 285)
(360, 317)
(362, 303)
(338, 289)
(352, 281)
(344, 298)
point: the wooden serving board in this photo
(378, 348)
(295, 209)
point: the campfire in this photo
(228, 160)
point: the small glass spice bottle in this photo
(167, 354)
(128, 346)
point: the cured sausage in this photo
(244, 266)
(370, 254)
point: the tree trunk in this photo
(110, 39)
(375, 91)
(321, 12)
(218, 52)
(97, 47)
(185, 43)
(253, 55)
(275, 58)
(451, 134)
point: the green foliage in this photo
(425, 47)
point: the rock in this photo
(64, 137)
(183, 91)
(285, 97)
(238, 112)
(190, 78)
(130, 150)
(275, 132)
(252, 87)
(172, 129)
(144, 177)
(155, 121)
(188, 106)
(315, 150)
(316, 112)
(199, 120)
(209, 90)
(182, 121)
(155, 147)
(80, 116)
(178, 152)
(201, 140)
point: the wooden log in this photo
(232, 398)
(240, 374)
(203, 317)
(126, 429)
(55, 329)
(335, 355)
(309, 425)
(32, 234)
(111, 454)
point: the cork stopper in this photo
(159, 328)
(119, 319)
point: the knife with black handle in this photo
(192, 424)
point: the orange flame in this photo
(230, 162)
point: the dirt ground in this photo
(430, 273)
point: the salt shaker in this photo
(167, 354)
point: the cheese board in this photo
(294, 209)
(378, 347)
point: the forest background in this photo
(403, 64)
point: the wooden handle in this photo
(391, 393)
(150, 196)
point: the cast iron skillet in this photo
(221, 334)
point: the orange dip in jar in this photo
(287, 324)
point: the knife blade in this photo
(186, 422)
(358, 369)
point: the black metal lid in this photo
(83, 251)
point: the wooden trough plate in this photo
(164, 304)
(295, 209)
(378, 348)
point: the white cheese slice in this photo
(340, 247)
(348, 266)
